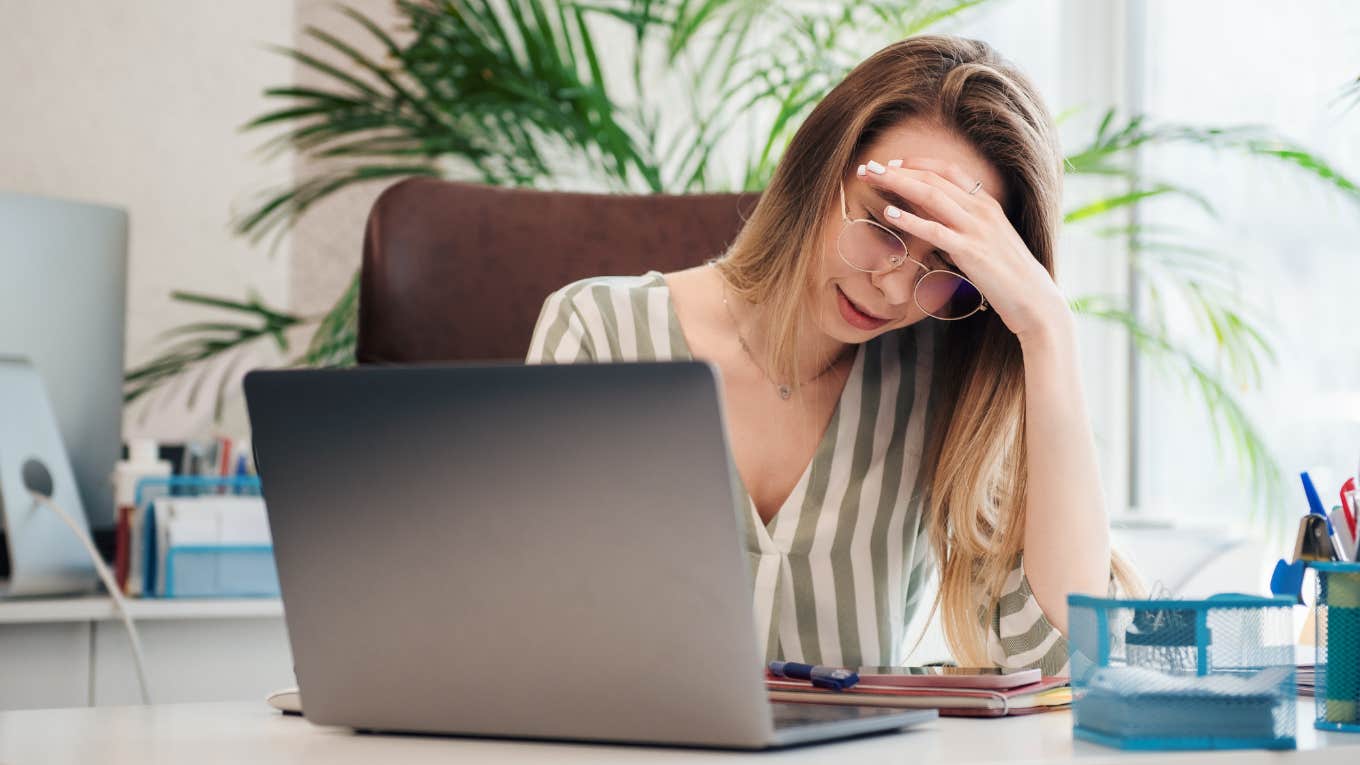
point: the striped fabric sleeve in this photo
(560, 335)
(1020, 636)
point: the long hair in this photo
(976, 444)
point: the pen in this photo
(833, 678)
(1310, 491)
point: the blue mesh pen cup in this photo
(1338, 646)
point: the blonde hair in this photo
(976, 447)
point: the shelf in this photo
(92, 608)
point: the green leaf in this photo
(333, 343)
(357, 87)
(199, 343)
(1108, 204)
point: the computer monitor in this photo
(63, 286)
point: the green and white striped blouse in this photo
(840, 569)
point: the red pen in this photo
(1348, 507)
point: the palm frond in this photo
(1111, 150)
(1128, 199)
(197, 343)
(333, 343)
(1233, 429)
(1349, 95)
(502, 86)
(284, 206)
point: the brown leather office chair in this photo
(459, 271)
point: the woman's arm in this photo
(1066, 544)
(1067, 539)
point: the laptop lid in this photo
(512, 550)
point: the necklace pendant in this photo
(784, 392)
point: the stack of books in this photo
(983, 698)
(1306, 679)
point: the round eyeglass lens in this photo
(870, 247)
(946, 295)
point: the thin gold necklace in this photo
(783, 388)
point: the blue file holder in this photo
(221, 571)
(208, 571)
(149, 489)
(1337, 619)
(1183, 674)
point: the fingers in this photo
(931, 187)
(958, 181)
(931, 231)
(928, 197)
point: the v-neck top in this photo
(840, 569)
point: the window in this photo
(1297, 243)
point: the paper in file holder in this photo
(187, 547)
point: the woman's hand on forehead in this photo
(974, 230)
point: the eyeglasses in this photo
(875, 249)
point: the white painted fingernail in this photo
(860, 170)
(894, 163)
(876, 168)
(892, 212)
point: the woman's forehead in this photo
(921, 140)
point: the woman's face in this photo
(852, 306)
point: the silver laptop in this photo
(545, 552)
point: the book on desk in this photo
(1047, 694)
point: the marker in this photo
(1352, 512)
(833, 678)
(1342, 541)
(1348, 504)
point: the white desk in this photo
(251, 732)
(100, 608)
(62, 652)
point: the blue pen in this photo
(833, 678)
(1314, 501)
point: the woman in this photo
(898, 368)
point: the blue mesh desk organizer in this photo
(203, 571)
(1183, 674)
(1338, 646)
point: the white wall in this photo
(137, 105)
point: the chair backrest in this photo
(459, 271)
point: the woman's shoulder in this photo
(569, 295)
(591, 316)
(615, 299)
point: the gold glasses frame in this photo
(846, 221)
